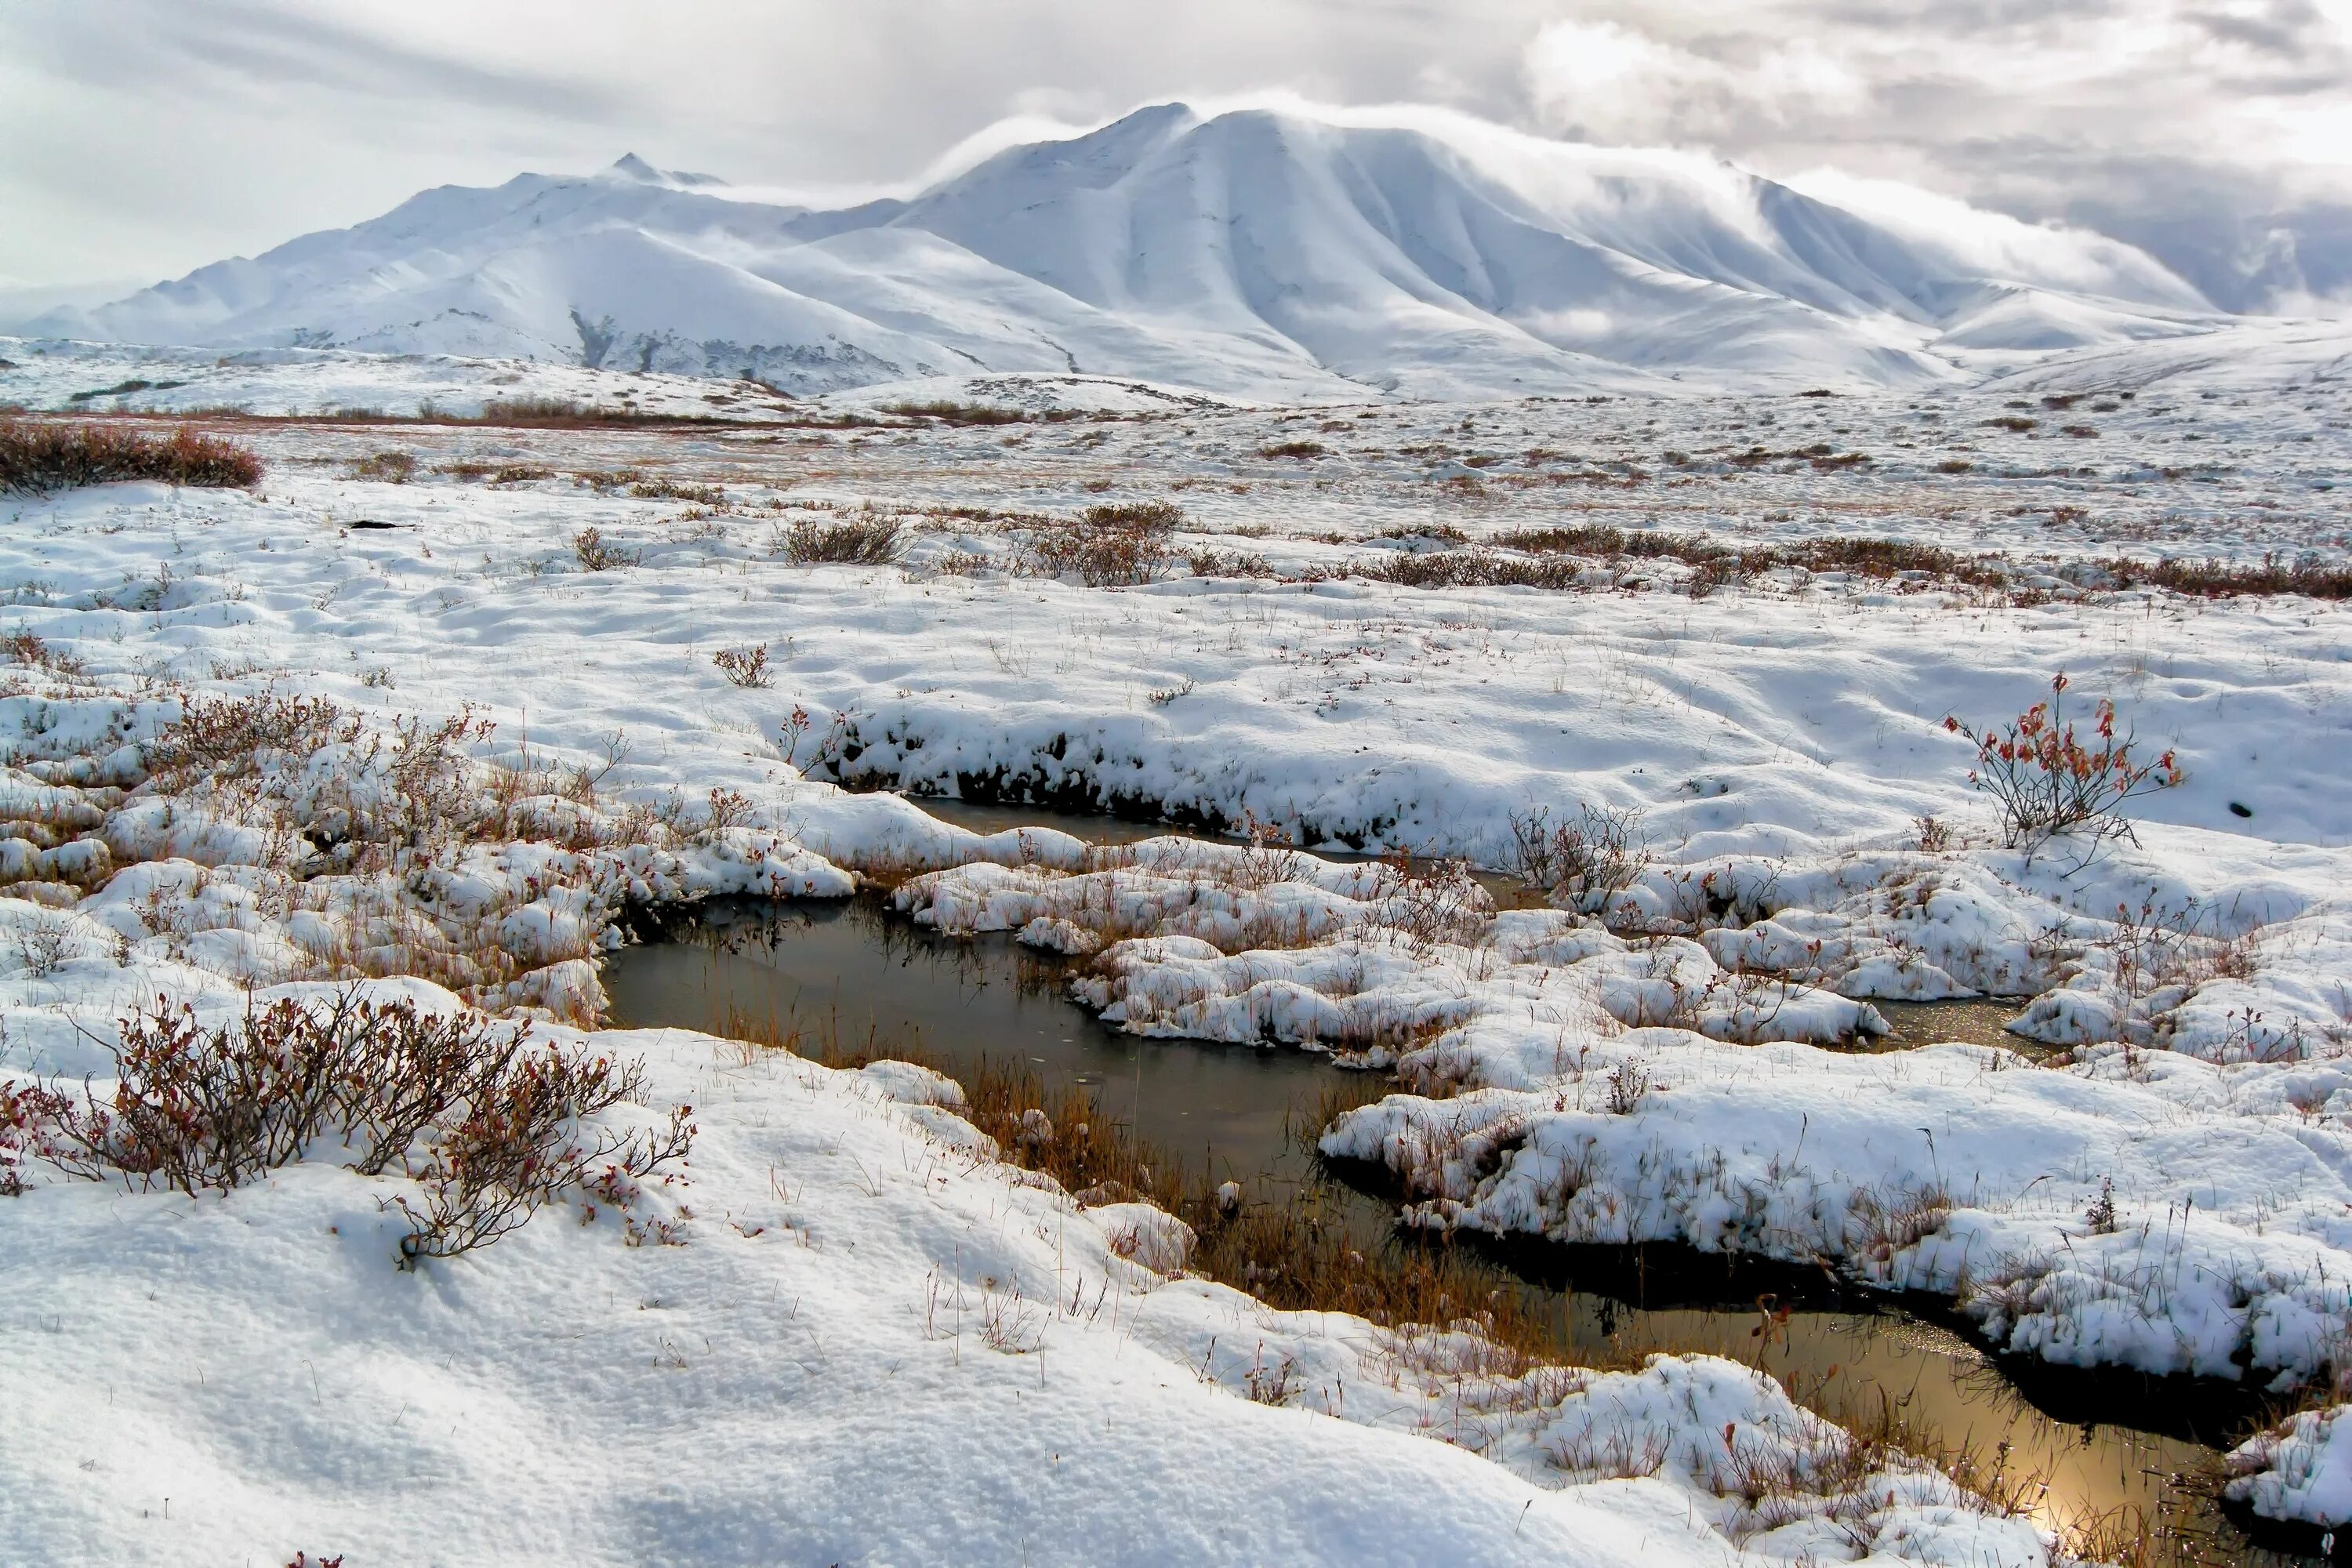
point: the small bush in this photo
(2221, 579)
(511, 1153)
(1430, 903)
(1293, 450)
(391, 468)
(1629, 1085)
(495, 473)
(2050, 781)
(1474, 569)
(555, 413)
(596, 554)
(2100, 1217)
(1110, 544)
(483, 1119)
(27, 648)
(1590, 861)
(39, 457)
(951, 412)
(217, 732)
(859, 541)
(671, 489)
(744, 665)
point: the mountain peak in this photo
(629, 166)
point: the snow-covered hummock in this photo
(2300, 1470)
(1278, 254)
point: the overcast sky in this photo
(147, 137)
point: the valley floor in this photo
(1408, 627)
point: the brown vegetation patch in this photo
(39, 456)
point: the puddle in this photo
(2106, 1440)
(1507, 891)
(1976, 1023)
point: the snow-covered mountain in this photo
(1254, 253)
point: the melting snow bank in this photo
(871, 1342)
(2179, 1211)
(2300, 1471)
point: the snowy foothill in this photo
(434, 705)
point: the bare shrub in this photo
(512, 1153)
(1430, 903)
(2100, 1217)
(38, 457)
(391, 468)
(2308, 574)
(1109, 546)
(24, 647)
(482, 1119)
(857, 542)
(212, 732)
(746, 665)
(660, 488)
(529, 411)
(2157, 948)
(1592, 861)
(43, 944)
(2049, 781)
(596, 554)
(949, 412)
(726, 809)
(1272, 1384)
(1474, 569)
(1292, 450)
(495, 473)
(1629, 1085)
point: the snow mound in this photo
(2301, 1469)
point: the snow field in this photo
(1780, 740)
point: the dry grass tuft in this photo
(876, 541)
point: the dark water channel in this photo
(2106, 1440)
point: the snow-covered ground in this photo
(1684, 1073)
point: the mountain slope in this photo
(1250, 253)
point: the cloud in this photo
(1607, 82)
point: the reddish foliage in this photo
(2050, 779)
(37, 456)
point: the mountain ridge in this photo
(1254, 252)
